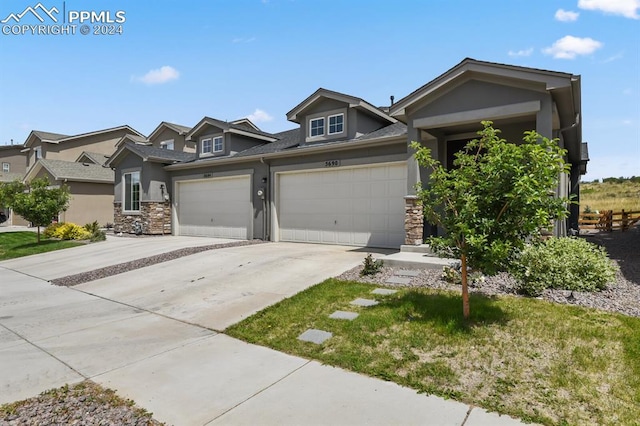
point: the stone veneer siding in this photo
(413, 220)
(155, 218)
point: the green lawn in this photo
(25, 243)
(547, 363)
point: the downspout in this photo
(266, 207)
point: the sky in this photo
(181, 60)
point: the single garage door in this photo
(360, 206)
(218, 207)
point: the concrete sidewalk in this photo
(148, 335)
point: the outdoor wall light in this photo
(264, 180)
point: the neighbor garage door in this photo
(215, 207)
(360, 206)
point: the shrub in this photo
(563, 263)
(67, 231)
(97, 234)
(371, 266)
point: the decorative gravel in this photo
(121, 268)
(622, 296)
(83, 404)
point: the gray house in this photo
(345, 174)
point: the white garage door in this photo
(360, 206)
(215, 207)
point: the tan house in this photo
(78, 162)
(13, 165)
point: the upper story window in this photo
(167, 144)
(6, 167)
(132, 192)
(211, 145)
(316, 127)
(37, 152)
(336, 124)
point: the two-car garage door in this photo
(361, 206)
(215, 207)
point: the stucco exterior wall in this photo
(17, 160)
(179, 143)
(89, 202)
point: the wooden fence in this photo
(608, 220)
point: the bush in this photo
(67, 231)
(563, 263)
(371, 266)
(97, 234)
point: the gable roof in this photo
(178, 128)
(354, 102)
(132, 138)
(58, 138)
(246, 123)
(289, 145)
(230, 127)
(94, 157)
(72, 171)
(151, 153)
(469, 66)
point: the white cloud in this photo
(613, 58)
(161, 75)
(568, 47)
(566, 15)
(626, 8)
(259, 116)
(524, 52)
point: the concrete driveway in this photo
(152, 334)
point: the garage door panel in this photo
(215, 207)
(351, 206)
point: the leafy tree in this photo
(36, 201)
(496, 195)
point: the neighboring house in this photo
(13, 165)
(79, 162)
(345, 175)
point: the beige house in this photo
(78, 162)
(13, 165)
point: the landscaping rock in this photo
(364, 302)
(344, 315)
(315, 336)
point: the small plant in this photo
(109, 225)
(453, 275)
(563, 263)
(50, 230)
(587, 209)
(67, 231)
(371, 266)
(97, 234)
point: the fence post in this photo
(609, 225)
(625, 220)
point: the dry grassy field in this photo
(610, 196)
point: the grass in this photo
(546, 363)
(610, 196)
(25, 243)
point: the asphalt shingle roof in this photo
(96, 157)
(77, 171)
(169, 155)
(49, 136)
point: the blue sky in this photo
(178, 61)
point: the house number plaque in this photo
(332, 163)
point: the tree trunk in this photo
(38, 234)
(465, 287)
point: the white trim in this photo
(311, 120)
(166, 143)
(124, 192)
(6, 167)
(202, 141)
(216, 138)
(329, 132)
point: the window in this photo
(217, 144)
(132, 192)
(37, 152)
(6, 167)
(316, 127)
(207, 146)
(336, 124)
(167, 144)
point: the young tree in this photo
(496, 195)
(36, 202)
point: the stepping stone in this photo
(315, 336)
(407, 273)
(344, 315)
(384, 291)
(364, 302)
(398, 280)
